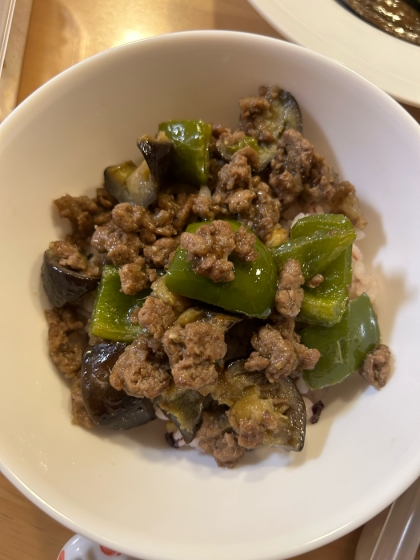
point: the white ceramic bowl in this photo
(130, 491)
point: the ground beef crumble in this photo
(216, 437)
(376, 367)
(289, 295)
(156, 316)
(79, 411)
(212, 244)
(193, 351)
(141, 371)
(279, 356)
(136, 276)
(67, 338)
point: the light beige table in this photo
(61, 33)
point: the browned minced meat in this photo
(205, 208)
(69, 256)
(239, 192)
(346, 202)
(216, 437)
(67, 339)
(237, 173)
(141, 371)
(122, 247)
(306, 358)
(131, 217)
(244, 245)
(315, 281)
(255, 112)
(240, 201)
(376, 367)
(298, 171)
(251, 430)
(80, 414)
(211, 245)
(192, 353)
(84, 212)
(160, 252)
(209, 248)
(80, 211)
(227, 138)
(278, 356)
(280, 353)
(156, 316)
(136, 276)
(289, 295)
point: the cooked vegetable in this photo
(314, 252)
(251, 292)
(190, 161)
(157, 153)
(399, 17)
(216, 318)
(326, 303)
(253, 400)
(115, 178)
(284, 113)
(140, 185)
(63, 285)
(184, 408)
(112, 311)
(227, 150)
(106, 406)
(343, 346)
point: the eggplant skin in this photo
(62, 285)
(106, 406)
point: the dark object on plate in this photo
(63, 285)
(106, 406)
(317, 408)
(397, 17)
(185, 409)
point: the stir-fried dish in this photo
(400, 18)
(216, 286)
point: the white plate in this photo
(130, 491)
(329, 28)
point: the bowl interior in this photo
(130, 490)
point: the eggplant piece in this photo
(140, 185)
(128, 183)
(284, 113)
(238, 339)
(184, 408)
(208, 315)
(400, 18)
(157, 153)
(252, 398)
(106, 406)
(63, 285)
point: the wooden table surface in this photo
(61, 33)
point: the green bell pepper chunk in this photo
(326, 303)
(343, 346)
(314, 252)
(112, 309)
(227, 150)
(191, 158)
(252, 291)
(320, 222)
